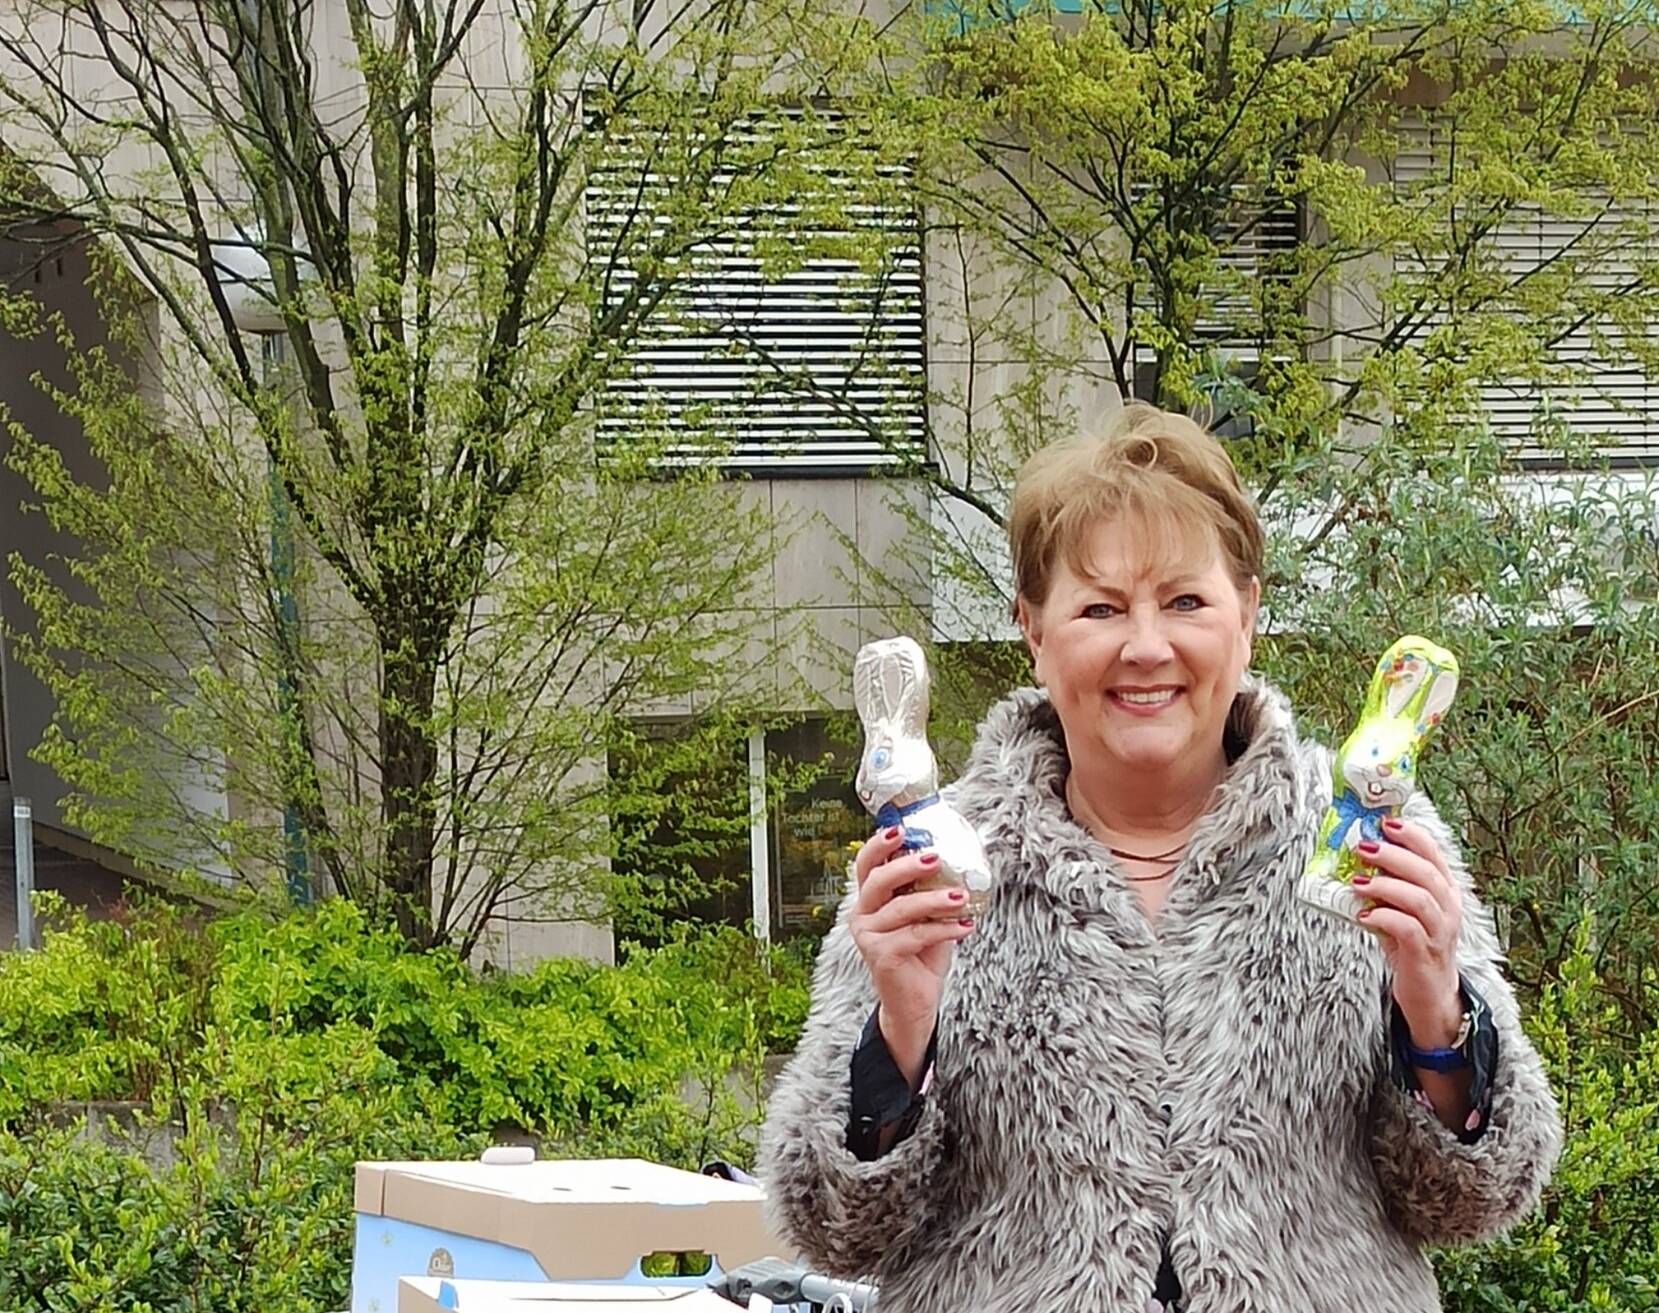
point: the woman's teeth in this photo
(1148, 699)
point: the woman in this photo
(1149, 1075)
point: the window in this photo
(1608, 402)
(814, 829)
(684, 849)
(817, 368)
(966, 15)
(1261, 237)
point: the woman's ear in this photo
(1031, 625)
(1250, 600)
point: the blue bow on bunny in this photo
(1348, 809)
(889, 815)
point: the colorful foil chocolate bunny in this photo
(1375, 770)
(898, 779)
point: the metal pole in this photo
(760, 853)
(24, 830)
(296, 861)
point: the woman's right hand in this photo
(907, 938)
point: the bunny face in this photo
(1410, 690)
(895, 770)
(1379, 763)
(890, 690)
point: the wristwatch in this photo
(1454, 1058)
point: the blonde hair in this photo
(1163, 469)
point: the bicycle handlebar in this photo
(790, 1283)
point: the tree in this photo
(458, 235)
(1469, 198)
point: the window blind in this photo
(816, 368)
(1607, 400)
(1249, 244)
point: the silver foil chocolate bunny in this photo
(898, 779)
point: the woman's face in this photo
(1142, 656)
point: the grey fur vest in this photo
(1100, 1091)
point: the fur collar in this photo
(1014, 792)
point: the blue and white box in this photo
(571, 1220)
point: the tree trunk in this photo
(408, 762)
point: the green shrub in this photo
(127, 1010)
(253, 1215)
(1594, 1244)
(99, 1014)
(273, 1055)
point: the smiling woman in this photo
(1137, 560)
(1149, 1075)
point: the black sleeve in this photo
(881, 1096)
(1483, 1057)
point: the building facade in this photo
(826, 458)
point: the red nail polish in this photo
(1366, 846)
(1394, 823)
(892, 833)
(1362, 879)
(1365, 912)
(957, 895)
(929, 858)
(966, 921)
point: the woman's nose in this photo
(1147, 645)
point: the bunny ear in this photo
(869, 689)
(888, 684)
(1418, 680)
(1442, 689)
(1402, 674)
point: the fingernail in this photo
(1366, 846)
(957, 895)
(929, 858)
(1394, 823)
(892, 833)
(967, 921)
(1362, 879)
(1364, 912)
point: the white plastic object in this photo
(508, 1155)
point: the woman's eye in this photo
(1188, 602)
(1099, 611)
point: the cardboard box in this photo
(437, 1295)
(587, 1221)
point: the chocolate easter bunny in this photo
(898, 779)
(1375, 770)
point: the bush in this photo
(252, 1214)
(1594, 1244)
(272, 1056)
(133, 1009)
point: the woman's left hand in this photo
(1418, 911)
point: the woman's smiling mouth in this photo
(1143, 701)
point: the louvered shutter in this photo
(1277, 230)
(821, 369)
(1612, 404)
